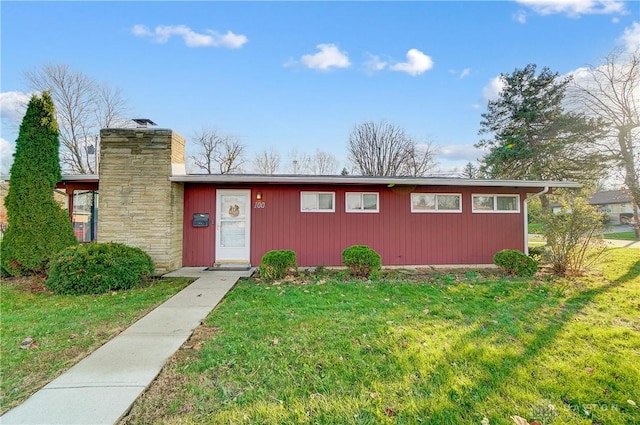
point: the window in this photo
(436, 202)
(84, 217)
(496, 203)
(362, 202)
(317, 201)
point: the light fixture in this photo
(258, 195)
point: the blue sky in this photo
(301, 75)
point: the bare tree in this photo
(611, 93)
(384, 149)
(83, 106)
(421, 160)
(218, 152)
(323, 163)
(230, 155)
(299, 162)
(267, 162)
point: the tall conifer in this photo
(38, 226)
(532, 136)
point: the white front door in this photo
(233, 220)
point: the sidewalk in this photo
(609, 242)
(622, 244)
(101, 388)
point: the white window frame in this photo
(436, 210)
(495, 197)
(361, 210)
(317, 194)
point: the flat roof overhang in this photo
(72, 182)
(365, 180)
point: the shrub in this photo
(275, 264)
(362, 261)
(515, 262)
(97, 268)
(574, 236)
(538, 253)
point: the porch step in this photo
(235, 267)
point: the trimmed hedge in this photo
(275, 264)
(515, 262)
(97, 268)
(362, 261)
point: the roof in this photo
(80, 178)
(610, 197)
(341, 180)
(346, 180)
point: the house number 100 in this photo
(258, 204)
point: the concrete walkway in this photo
(609, 242)
(101, 388)
(622, 244)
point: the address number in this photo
(258, 205)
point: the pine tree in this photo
(531, 134)
(38, 227)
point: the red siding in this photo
(198, 243)
(401, 237)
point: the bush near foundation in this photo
(515, 262)
(362, 261)
(276, 264)
(98, 268)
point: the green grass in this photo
(443, 349)
(64, 328)
(535, 228)
(627, 236)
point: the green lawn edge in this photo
(63, 328)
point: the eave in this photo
(365, 180)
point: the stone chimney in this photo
(139, 206)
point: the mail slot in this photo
(200, 220)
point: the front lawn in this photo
(626, 236)
(536, 228)
(438, 348)
(63, 329)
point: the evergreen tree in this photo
(470, 171)
(531, 135)
(38, 226)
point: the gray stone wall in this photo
(139, 206)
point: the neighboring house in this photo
(147, 200)
(617, 204)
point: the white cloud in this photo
(460, 152)
(520, 17)
(492, 90)
(13, 105)
(631, 37)
(461, 74)
(328, 56)
(162, 34)
(374, 63)
(416, 64)
(6, 156)
(575, 8)
(140, 30)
